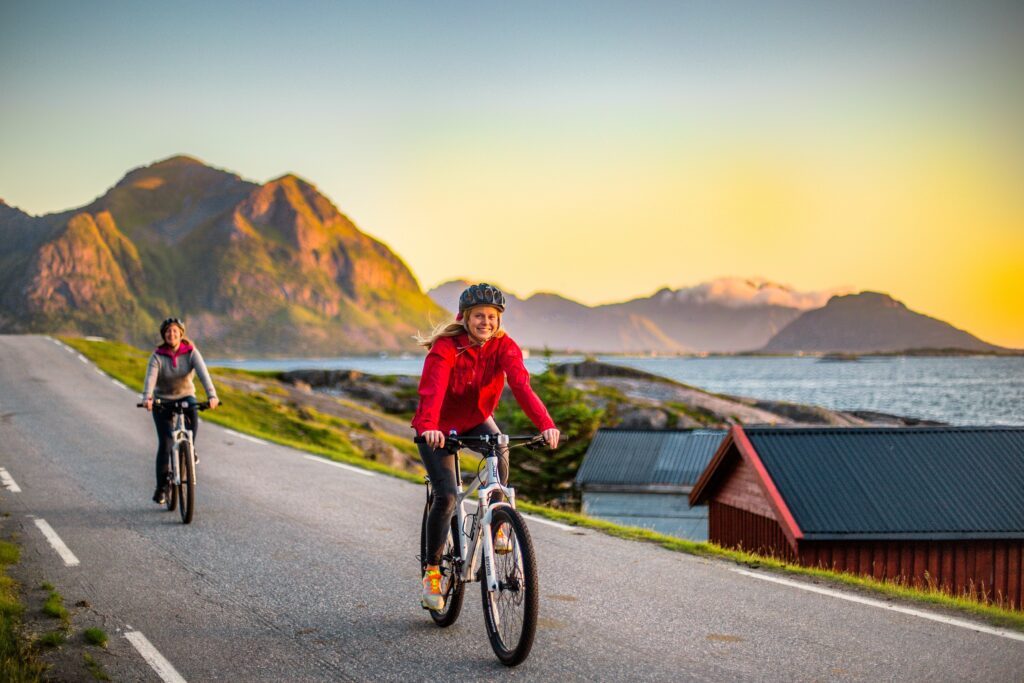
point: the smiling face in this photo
(172, 335)
(482, 322)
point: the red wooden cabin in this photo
(940, 506)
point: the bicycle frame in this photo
(471, 550)
(179, 435)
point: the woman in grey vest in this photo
(169, 378)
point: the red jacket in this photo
(462, 383)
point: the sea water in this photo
(975, 390)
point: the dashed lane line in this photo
(8, 481)
(961, 623)
(83, 359)
(357, 470)
(65, 553)
(246, 437)
(163, 668)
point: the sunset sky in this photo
(596, 149)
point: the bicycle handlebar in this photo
(455, 441)
(180, 403)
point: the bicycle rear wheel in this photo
(452, 587)
(510, 613)
(187, 489)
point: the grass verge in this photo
(308, 430)
(17, 665)
(94, 668)
(269, 417)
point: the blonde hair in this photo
(454, 328)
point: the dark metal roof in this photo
(648, 457)
(933, 482)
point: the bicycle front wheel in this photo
(510, 612)
(172, 488)
(187, 489)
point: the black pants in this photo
(164, 419)
(440, 466)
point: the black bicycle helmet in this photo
(171, 321)
(482, 294)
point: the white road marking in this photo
(1003, 633)
(557, 525)
(83, 359)
(160, 665)
(100, 372)
(8, 481)
(65, 553)
(247, 437)
(357, 470)
(120, 384)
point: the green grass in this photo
(698, 414)
(53, 639)
(95, 636)
(54, 607)
(94, 667)
(17, 664)
(321, 434)
(9, 553)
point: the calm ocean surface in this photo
(960, 391)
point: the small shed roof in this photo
(884, 483)
(647, 457)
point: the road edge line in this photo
(950, 621)
(163, 668)
(357, 470)
(55, 542)
(8, 481)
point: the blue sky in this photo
(452, 130)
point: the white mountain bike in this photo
(508, 581)
(181, 480)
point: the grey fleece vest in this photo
(172, 382)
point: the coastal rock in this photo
(643, 418)
(589, 369)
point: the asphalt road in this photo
(297, 570)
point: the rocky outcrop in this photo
(392, 394)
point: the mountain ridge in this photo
(254, 268)
(871, 322)
(676, 321)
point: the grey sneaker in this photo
(432, 598)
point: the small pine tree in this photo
(546, 476)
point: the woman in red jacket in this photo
(463, 377)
